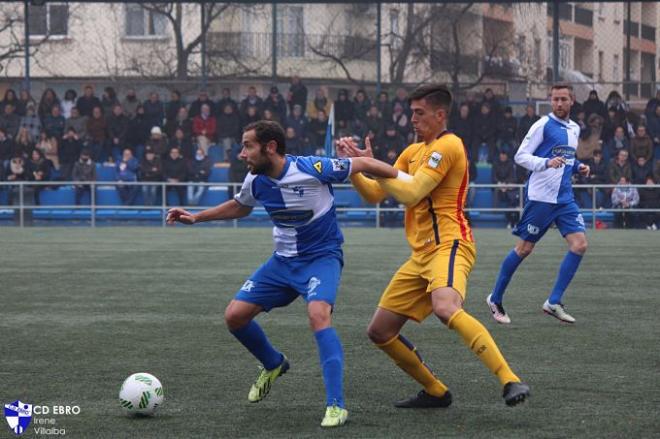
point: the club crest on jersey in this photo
(435, 159)
(18, 415)
(318, 166)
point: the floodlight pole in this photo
(628, 52)
(555, 41)
(204, 72)
(274, 44)
(26, 27)
(378, 47)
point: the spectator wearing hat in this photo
(275, 103)
(252, 100)
(151, 170)
(157, 142)
(593, 105)
(204, 128)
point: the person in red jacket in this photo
(204, 128)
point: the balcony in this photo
(291, 45)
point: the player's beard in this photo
(263, 166)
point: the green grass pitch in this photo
(82, 309)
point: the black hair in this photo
(267, 131)
(438, 95)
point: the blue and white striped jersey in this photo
(550, 137)
(300, 203)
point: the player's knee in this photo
(579, 247)
(234, 319)
(378, 335)
(524, 249)
(319, 318)
(444, 310)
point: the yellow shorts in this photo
(447, 266)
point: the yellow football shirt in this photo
(439, 217)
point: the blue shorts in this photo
(281, 280)
(537, 217)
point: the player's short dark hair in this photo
(438, 95)
(267, 131)
(561, 86)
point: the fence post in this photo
(593, 207)
(273, 53)
(21, 207)
(92, 199)
(163, 203)
(378, 215)
(26, 28)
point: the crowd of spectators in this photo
(152, 140)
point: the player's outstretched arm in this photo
(410, 190)
(368, 189)
(231, 209)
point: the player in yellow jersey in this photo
(432, 183)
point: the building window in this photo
(615, 69)
(290, 31)
(141, 22)
(51, 19)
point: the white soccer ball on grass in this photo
(141, 394)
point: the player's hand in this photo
(177, 214)
(556, 162)
(347, 147)
(584, 170)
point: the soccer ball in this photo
(141, 393)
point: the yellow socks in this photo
(479, 340)
(406, 357)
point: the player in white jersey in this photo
(297, 194)
(548, 151)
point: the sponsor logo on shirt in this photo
(339, 165)
(435, 159)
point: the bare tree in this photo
(12, 38)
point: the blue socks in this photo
(509, 266)
(332, 364)
(567, 270)
(254, 339)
